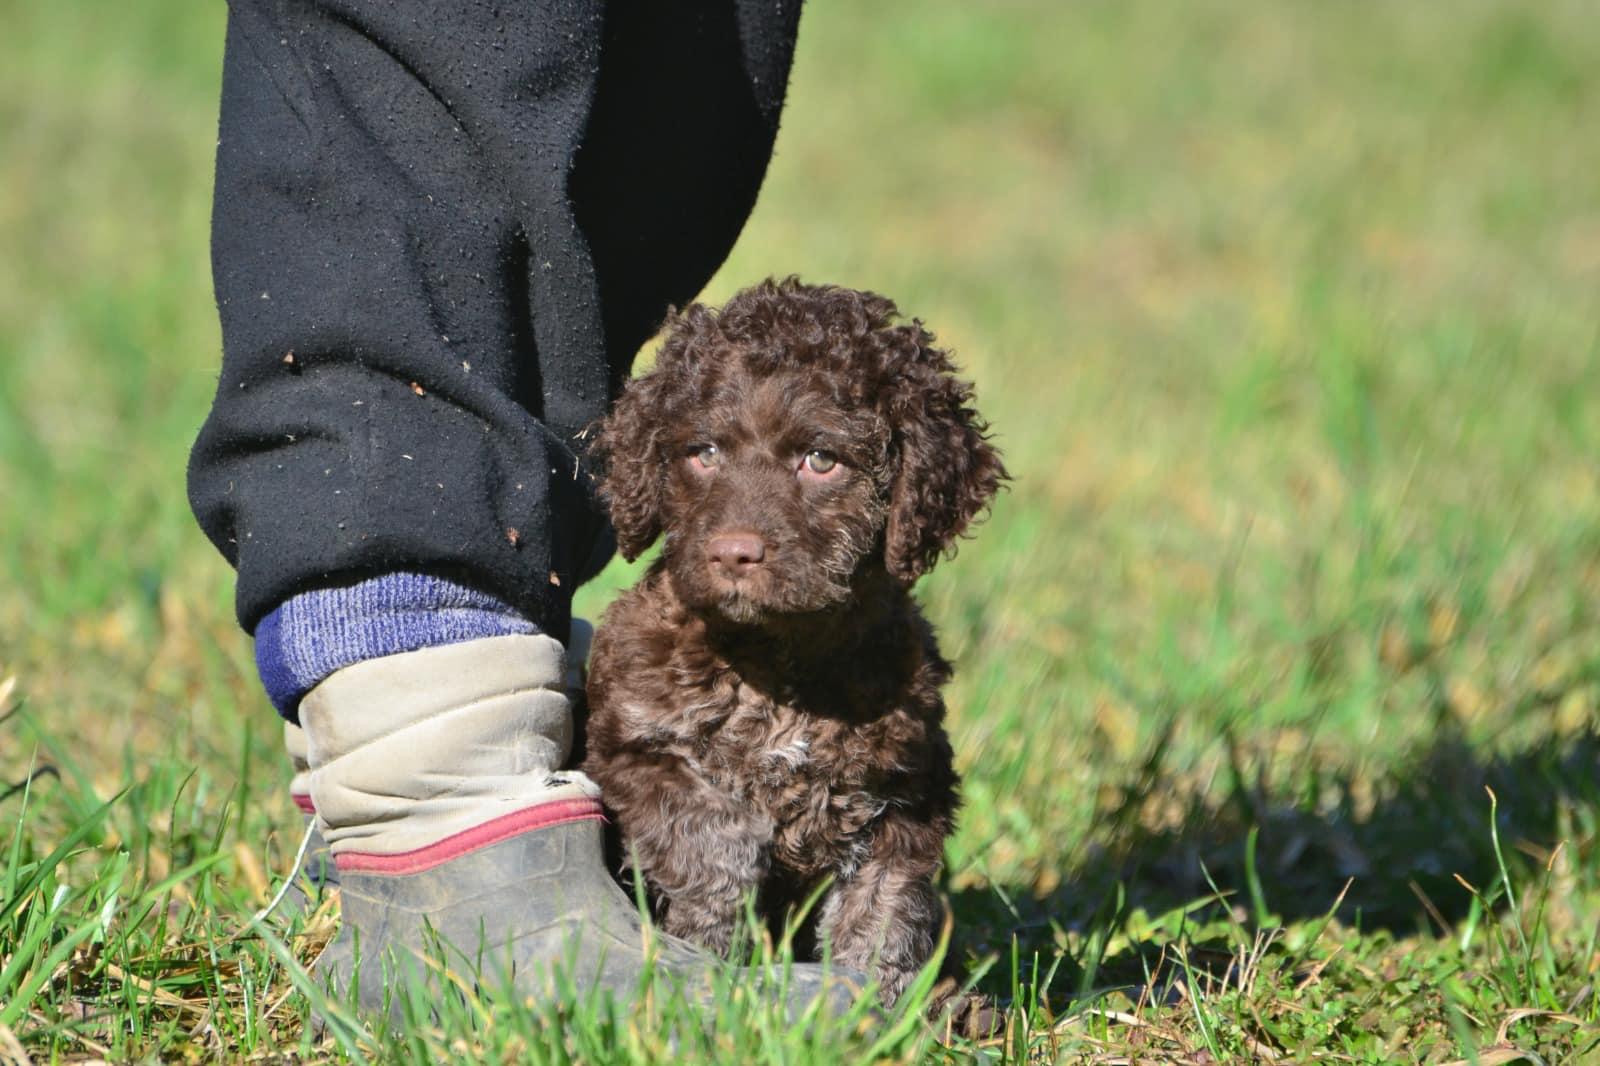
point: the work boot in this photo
(435, 776)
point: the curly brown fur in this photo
(765, 708)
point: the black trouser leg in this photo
(440, 233)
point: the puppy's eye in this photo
(821, 462)
(705, 456)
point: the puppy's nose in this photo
(736, 554)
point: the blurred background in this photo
(1287, 317)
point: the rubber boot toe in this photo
(537, 912)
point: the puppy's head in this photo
(789, 443)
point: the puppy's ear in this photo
(629, 458)
(630, 450)
(946, 472)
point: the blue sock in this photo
(315, 633)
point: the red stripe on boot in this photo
(303, 801)
(493, 831)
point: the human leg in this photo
(440, 232)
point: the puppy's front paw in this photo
(709, 927)
(702, 868)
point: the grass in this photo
(1278, 666)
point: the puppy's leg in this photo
(885, 916)
(699, 851)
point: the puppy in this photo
(765, 708)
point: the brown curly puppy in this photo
(764, 704)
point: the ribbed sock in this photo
(313, 634)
